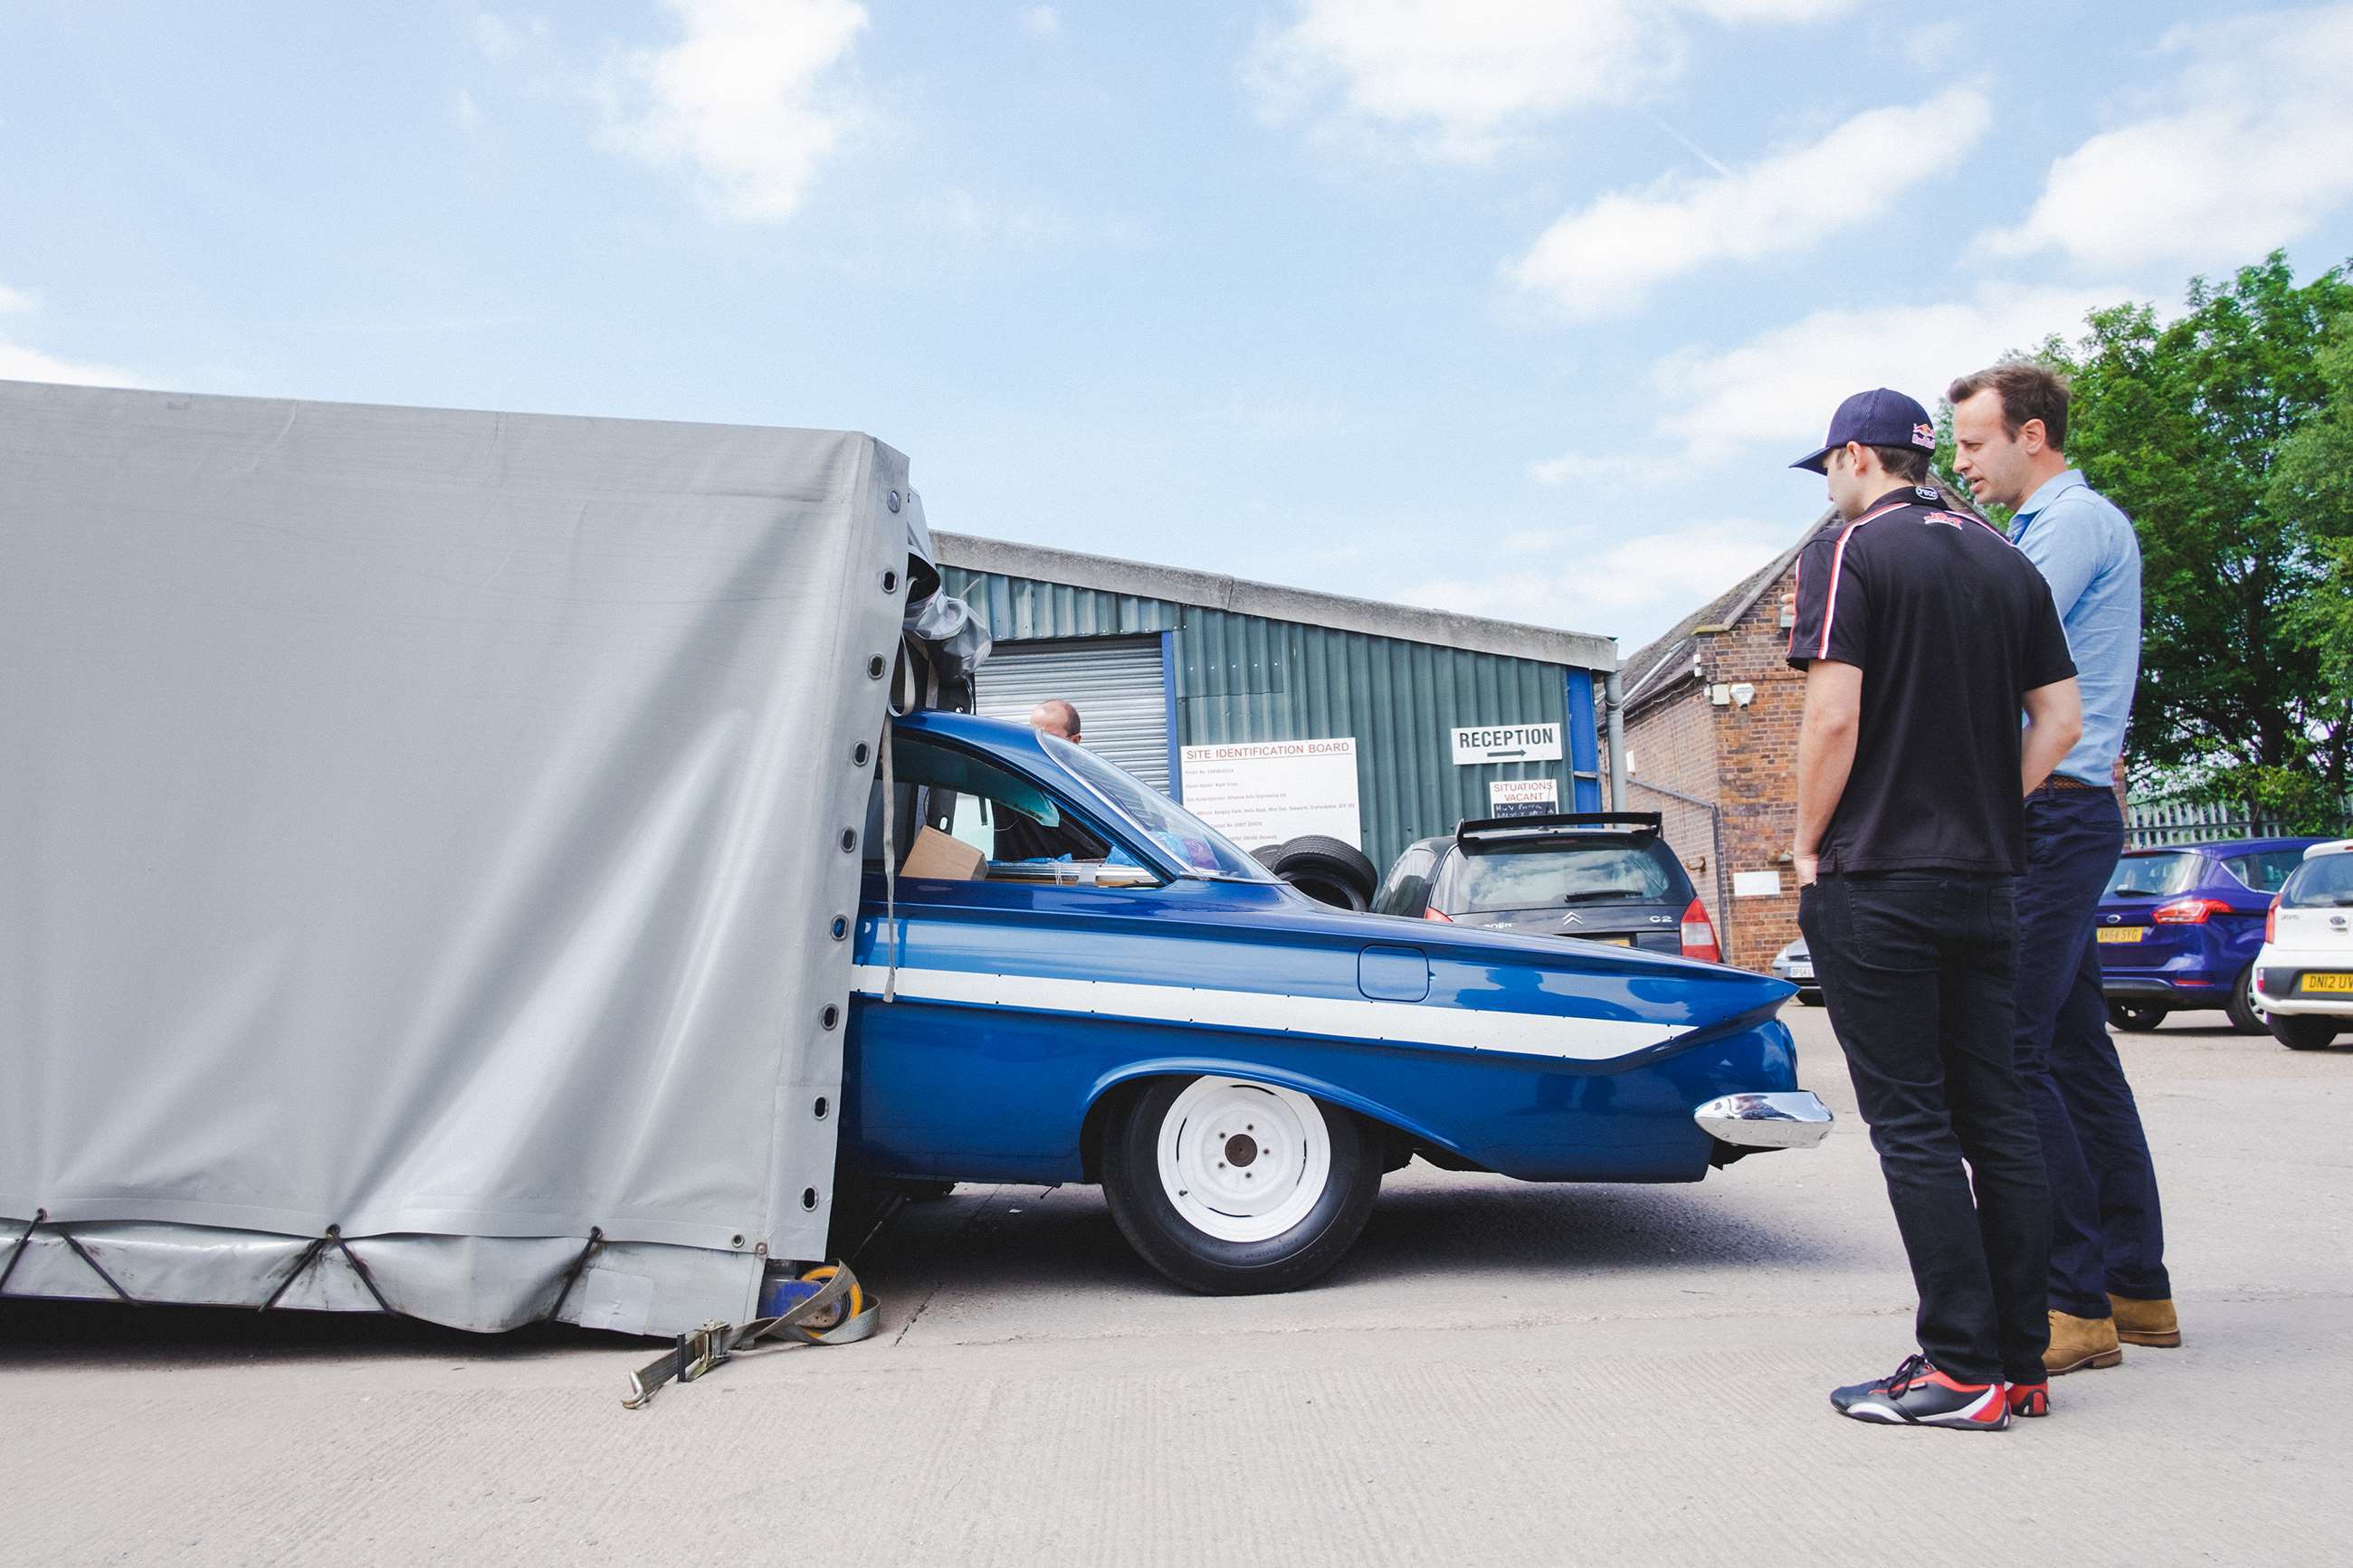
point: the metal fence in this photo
(2155, 823)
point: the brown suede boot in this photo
(2145, 1323)
(2079, 1342)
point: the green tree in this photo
(2225, 436)
(2314, 481)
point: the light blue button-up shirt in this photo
(2086, 550)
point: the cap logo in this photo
(1924, 436)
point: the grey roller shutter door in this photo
(1119, 686)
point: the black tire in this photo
(2304, 1034)
(1330, 870)
(1265, 853)
(2245, 1018)
(2135, 1017)
(1212, 1264)
(1810, 998)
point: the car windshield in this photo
(1537, 876)
(1192, 842)
(2325, 881)
(2153, 876)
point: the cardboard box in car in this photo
(944, 860)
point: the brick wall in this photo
(1672, 742)
(1743, 758)
(1758, 771)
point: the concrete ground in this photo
(1500, 1372)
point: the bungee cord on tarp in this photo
(23, 1239)
(313, 1253)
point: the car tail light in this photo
(1434, 913)
(2189, 912)
(1699, 936)
(2271, 918)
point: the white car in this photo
(1795, 963)
(2304, 975)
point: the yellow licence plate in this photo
(2121, 933)
(2328, 983)
(1612, 941)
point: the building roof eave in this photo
(1237, 595)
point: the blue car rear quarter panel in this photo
(998, 1091)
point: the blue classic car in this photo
(1134, 1001)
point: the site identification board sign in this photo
(1506, 743)
(1522, 798)
(1257, 793)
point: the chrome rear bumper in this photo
(1787, 1118)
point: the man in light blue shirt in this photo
(2086, 550)
(2108, 1282)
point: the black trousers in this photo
(1916, 968)
(2107, 1229)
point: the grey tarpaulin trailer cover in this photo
(421, 833)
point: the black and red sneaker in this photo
(2030, 1399)
(1917, 1395)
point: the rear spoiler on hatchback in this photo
(1493, 829)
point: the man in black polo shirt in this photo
(1921, 632)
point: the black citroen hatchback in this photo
(1598, 876)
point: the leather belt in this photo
(2060, 781)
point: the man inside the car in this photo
(1019, 838)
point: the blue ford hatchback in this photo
(2179, 928)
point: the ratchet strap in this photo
(839, 1313)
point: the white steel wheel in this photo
(1231, 1187)
(1243, 1162)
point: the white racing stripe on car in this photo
(1405, 1023)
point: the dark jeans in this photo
(1916, 968)
(2106, 1231)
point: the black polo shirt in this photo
(1950, 626)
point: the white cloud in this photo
(1638, 582)
(19, 362)
(501, 38)
(2254, 149)
(1781, 386)
(750, 99)
(1602, 467)
(1273, 415)
(1605, 258)
(1460, 79)
(1934, 45)
(1043, 20)
(466, 114)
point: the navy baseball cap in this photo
(1880, 418)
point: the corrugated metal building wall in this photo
(1243, 677)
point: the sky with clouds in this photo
(1515, 307)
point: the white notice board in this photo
(1522, 798)
(1263, 791)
